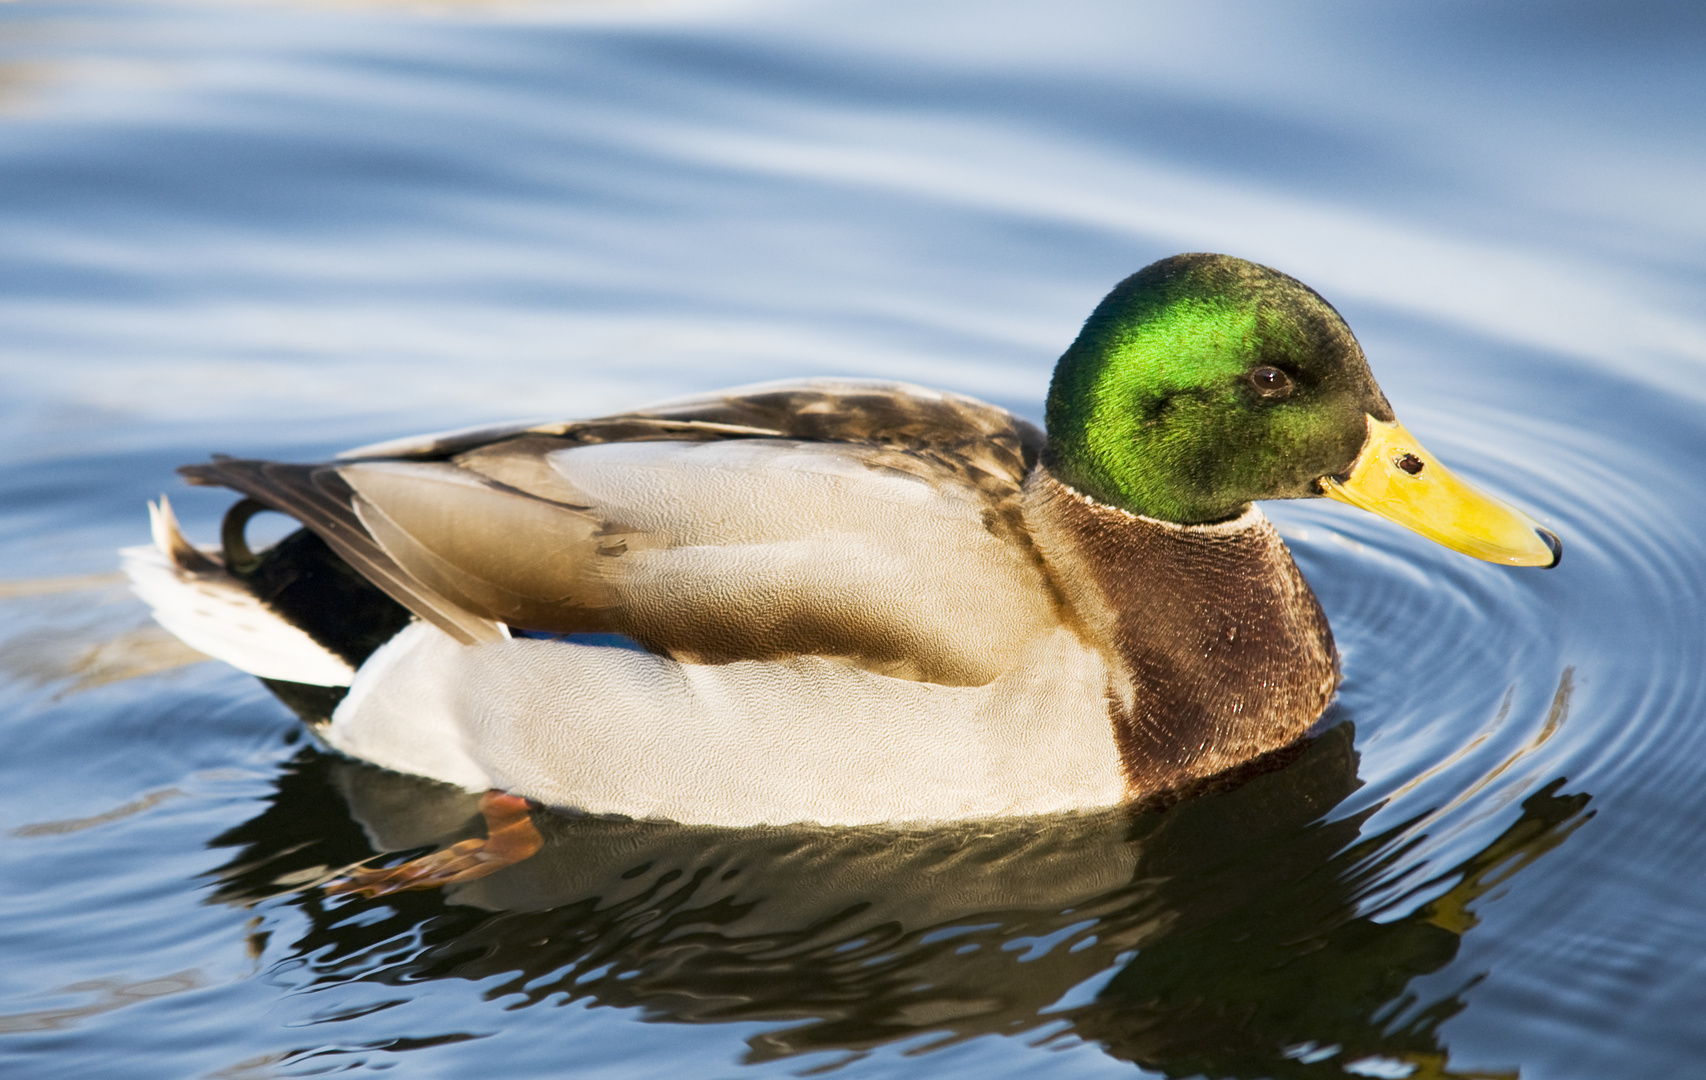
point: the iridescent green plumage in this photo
(1153, 408)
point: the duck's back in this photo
(875, 523)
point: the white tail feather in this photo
(211, 611)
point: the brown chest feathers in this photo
(1219, 649)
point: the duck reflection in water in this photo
(1227, 935)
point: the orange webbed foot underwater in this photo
(510, 838)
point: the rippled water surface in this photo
(279, 230)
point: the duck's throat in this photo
(1219, 648)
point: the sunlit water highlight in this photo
(276, 230)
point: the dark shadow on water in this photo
(1226, 936)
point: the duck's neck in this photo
(1219, 649)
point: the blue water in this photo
(278, 230)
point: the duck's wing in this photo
(320, 498)
(875, 522)
(986, 447)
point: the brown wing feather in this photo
(944, 436)
(980, 442)
(495, 550)
(435, 541)
(316, 496)
(986, 446)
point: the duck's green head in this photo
(1203, 383)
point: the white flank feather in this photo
(211, 611)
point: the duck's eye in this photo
(1271, 382)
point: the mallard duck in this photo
(843, 601)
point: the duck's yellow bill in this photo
(1397, 479)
